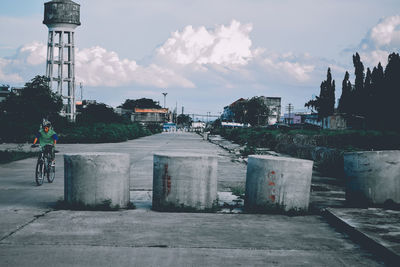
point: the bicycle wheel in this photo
(51, 172)
(39, 174)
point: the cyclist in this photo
(47, 136)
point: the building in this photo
(228, 114)
(312, 119)
(150, 115)
(127, 113)
(16, 90)
(198, 126)
(62, 17)
(169, 127)
(4, 92)
(298, 118)
(80, 105)
(233, 124)
(291, 118)
(339, 121)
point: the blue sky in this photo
(205, 54)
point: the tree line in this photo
(21, 114)
(373, 96)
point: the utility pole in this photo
(289, 109)
(176, 112)
(81, 86)
(165, 96)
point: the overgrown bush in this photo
(103, 133)
(324, 147)
(8, 156)
(346, 140)
(155, 128)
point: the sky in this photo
(204, 53)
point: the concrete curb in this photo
(390, 257)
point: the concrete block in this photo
(277, 183)
(183, 181)
(92, 178)
(372, 177)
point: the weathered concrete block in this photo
(277, 183)
(93, 178)
(183, 181)
(372, 177)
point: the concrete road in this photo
(33, 233)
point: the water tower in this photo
(62, 17)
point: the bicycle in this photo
(44, 167)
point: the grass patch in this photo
(275, 209)
(238, 191)
(248, 150)
(347, 140)
(9, 156)
(171, 207)
(105, 205)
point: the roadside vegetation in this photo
(21, 115)
(9, 156)
(324, 147)
(347, 140)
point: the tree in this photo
(377, 97)
(35, 102)
(345, 98)
(239, 110)
(184, 119)
(392, 92)
(131, 104)
(216, 124)
(97, 113)
(23, 113)
(256, 112)
(325, 103)
(253, 111)
(367, 100)
(359, 94)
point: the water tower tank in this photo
(61, 12)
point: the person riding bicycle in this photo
(47, 137)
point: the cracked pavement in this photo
(33, 233)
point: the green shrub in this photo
(8, 156)
(346, 140)
(102, 133)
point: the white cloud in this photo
(381, 40)
(8, 78)
(224, 45)
(35, 53)
(289, 65)
(94, 67)
(372, 58)
(386, 33)
(98, 67)
(226, 50)
(221, 56)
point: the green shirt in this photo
(46, 138)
